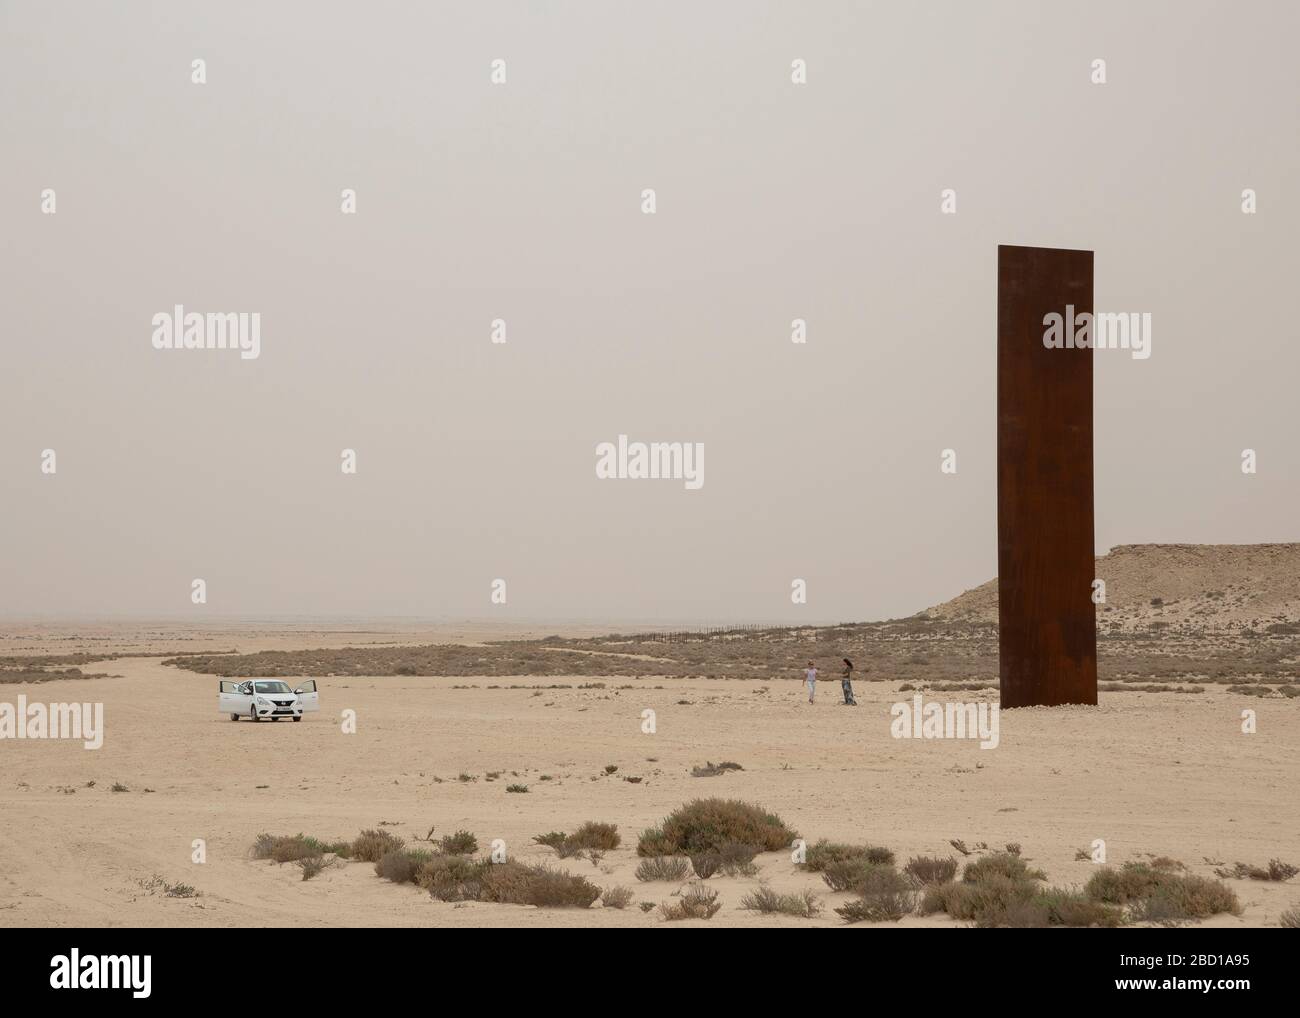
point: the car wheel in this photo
(234, 717)
(252, 714)
(297, 717)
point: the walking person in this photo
(810, 679)
(846, 681)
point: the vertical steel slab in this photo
(1047, 627)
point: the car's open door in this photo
(308, 695)
(230, 700)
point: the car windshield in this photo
(271, 687)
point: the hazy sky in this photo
(522, 201)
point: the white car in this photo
(270, 699)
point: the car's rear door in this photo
(308, 695)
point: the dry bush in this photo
(712, 770)
(698, 902)
(516, 883)
(884, 895)
(401, 866)
(804, 904)
(1000, 864)
(1161, 895)
(1290, 919)
(552, 840)
(985, 903)
(451, 877)
(930, 870)
(616, 897)
(460, 843)
(311, 866)
(662, 867)
(1275, 870)
(736, 859)
(295, 847)
(705, 864)
(848, 874)
(372, 845)
(824, 853)
(595, 835)
(705, 824)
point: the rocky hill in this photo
(1208, 587)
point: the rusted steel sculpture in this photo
(1047, 627)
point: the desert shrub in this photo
(824, 852)
(311, 866)
(519, 789)
(595, 835)
(736, 859)
(1290, 919)
(552, 840)
(705, 824)
(698, 902)
(1161, 895)
(1002, 864)
(662, 867)
(1275, 870)
(292, 848)
(460, 843)
(616, 897)
(705, 864)
(930, 870)
(400, 866)
(517, 883)
(645, 906)
(765, 900)
(372, 845)
(985, 903)
(884, 895)
(1072, 908)
(712, 770)
(848, 874)
(451, 877)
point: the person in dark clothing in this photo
(846, 681)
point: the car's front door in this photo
(308, 696)
(230, 700)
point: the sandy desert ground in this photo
(1151, 773)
